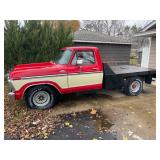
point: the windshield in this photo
(63, 57)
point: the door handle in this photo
(95, 69)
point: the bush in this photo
(33, 41)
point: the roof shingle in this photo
(96, 37)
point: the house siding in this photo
(152, 58)
(115, 53)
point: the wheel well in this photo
(140, 77)
(55, 89)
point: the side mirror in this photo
(80, 61)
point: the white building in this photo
(148, 45)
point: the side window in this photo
(86, 56)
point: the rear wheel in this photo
(133, 86)
(41, 97)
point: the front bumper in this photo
(11, 93)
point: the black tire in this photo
(128, 86)
(44, 92)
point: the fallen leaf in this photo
(45, 135)
(94, 138)
(44, 127)
(70, 126)
(93, 111)
(36, 122)
(125, 138)
(74, 114)
(139, 126)
(66, 123)
(130, 133)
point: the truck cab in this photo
(84, 69)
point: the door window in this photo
(87, 57)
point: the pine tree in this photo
(34, 41)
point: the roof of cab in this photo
(79, 47)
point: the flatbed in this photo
(114, 75)
(129, 70)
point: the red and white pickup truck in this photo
(75, 69)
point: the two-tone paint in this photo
(65, 78)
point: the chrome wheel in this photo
(135, 86)
(41, 98)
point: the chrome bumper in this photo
(11, 93)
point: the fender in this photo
(20, 93)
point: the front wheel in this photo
(41, 97)
(133, 86)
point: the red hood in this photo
(35, 69)
(32, 65)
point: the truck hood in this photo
(35, 69)
(33, 66)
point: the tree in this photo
(34, 41)
(110, 27)
(12, 43)
(135, 29)
(92, 25)
(74, 25)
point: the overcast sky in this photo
(140, 23)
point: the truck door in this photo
(84, 73)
